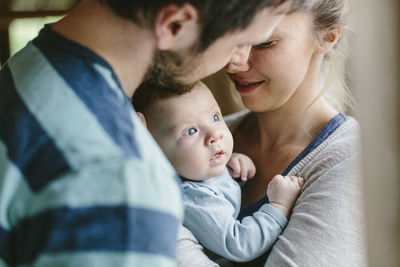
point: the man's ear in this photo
(176, 26)
(329, 38)
(142, 118)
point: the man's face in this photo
(168, 66)
(175, 69)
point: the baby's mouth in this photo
(217, 157)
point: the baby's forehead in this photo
(199, 95)
(169, 108)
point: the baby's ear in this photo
(142, 118)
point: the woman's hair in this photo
(217, 17)
(330, 14)
(334, 80)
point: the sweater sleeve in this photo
(326, 226)
(211, 218)
(189, 252)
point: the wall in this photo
(377, 63)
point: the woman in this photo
(290, 128)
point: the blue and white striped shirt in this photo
(82, 182)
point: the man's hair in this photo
(148, 93)
(216, 17)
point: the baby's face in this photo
(192, 133)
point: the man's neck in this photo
(126, 46)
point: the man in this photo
(82, 183)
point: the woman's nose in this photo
(239, 60)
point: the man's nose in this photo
(239, 60)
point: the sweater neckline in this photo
(329, 128)
(322, 137)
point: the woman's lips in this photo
(246, 87)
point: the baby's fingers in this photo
(234, 168)
(251, 170)
(243, 171)
(297, 180)
(277, 179)
(301, 181)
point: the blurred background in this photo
(376, 84)
(21, 20)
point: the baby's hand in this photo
(283, 191)
(241, 166)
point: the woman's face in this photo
(281, 71)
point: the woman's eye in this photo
(190, 131)
(266, 44)
(216, 117)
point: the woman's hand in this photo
(241, 166)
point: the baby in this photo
(191, 131)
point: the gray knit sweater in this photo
(326, 227)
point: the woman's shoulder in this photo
(330, 204)
(343, 142)
(342, 148)
(342, 145)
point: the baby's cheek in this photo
(228, 142)
(188, 166)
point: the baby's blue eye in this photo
(216, 117)
(190, 131)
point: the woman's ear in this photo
(142, 118)
(329, 38)
(176, 26)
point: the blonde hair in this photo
(330, 14)
(334, 77)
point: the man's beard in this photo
(168, 67)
